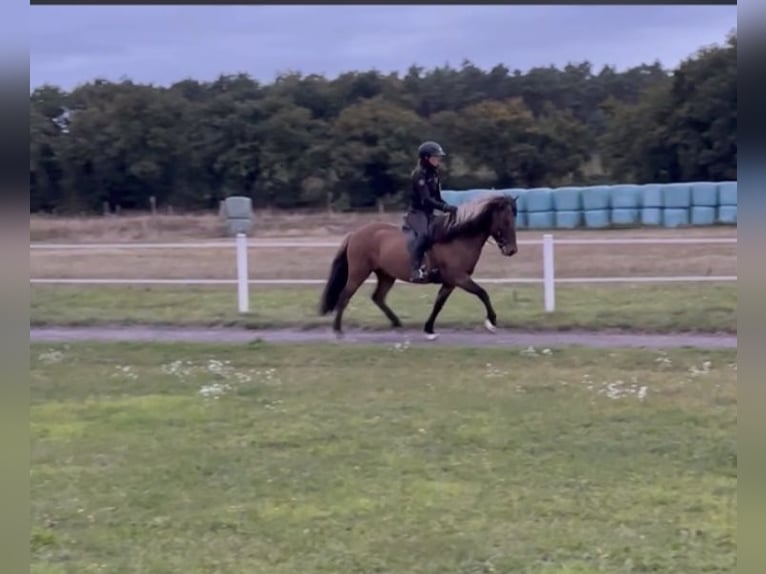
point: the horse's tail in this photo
(336, 281)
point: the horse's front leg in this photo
(441, 299)
(470, 286)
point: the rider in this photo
(424, 198)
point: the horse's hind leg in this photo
(356, 276)
(385, 282)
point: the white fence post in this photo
(549, 280)
(243, 295)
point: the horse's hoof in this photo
(489, 326)
(431, 336)
(338, 335)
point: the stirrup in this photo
(419, 275)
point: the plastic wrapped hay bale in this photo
(596, 218)
(625, 216)
(520, 194)
(651, 216)
(453, 197)
(540, 219)
(538, 199)
(727, 214)
(521, 220)
(595, 198)
(702, 215)
(651, 195)
(625, 201)
(625, 197)
(568, 219)
(651, 204)
(704, 194)
(676, 196)
(727, 193)
(567, 199)
(675, 217)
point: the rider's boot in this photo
(418, 272)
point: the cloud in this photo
(163, 44)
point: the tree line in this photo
(305, 141)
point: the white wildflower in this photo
(493, 372)
(619, 390)
(399, 347)
(214, 390)
(663, 361)
(694, 371)
(125, 372)
(50, 357)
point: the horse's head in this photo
(490, 215)
(503, 226)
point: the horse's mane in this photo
(472, 217)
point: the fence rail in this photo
(319, 244)
(242, 281)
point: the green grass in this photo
(333, 459)
(664, 308)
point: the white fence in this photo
(241, 245)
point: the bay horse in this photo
(458, 240)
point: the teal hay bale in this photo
(596, 218)
(651, 216)
(595, 198)
(625, 197)
(521, 197)
(651, 195)
(727, 214)
(675, 217)
(727, 193)
(539, 199)
(470, 195)
(521, 220)
(570, 219)
(703, 215)
(238, 207)
(704, 194)
(541, 219)
(677, 196)
(567, 199)
(452, 197)
(625, 216)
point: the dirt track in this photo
(503, 338)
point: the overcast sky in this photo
(69, 45)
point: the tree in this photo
(302, 141)
(371, 150)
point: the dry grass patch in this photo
(594, 260)
(145, 227)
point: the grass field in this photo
(328, 459)
(660, 308)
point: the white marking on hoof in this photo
(489, 326)
(338, 335)
(432, 336)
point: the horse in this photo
(457, 242)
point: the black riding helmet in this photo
(429, 148)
